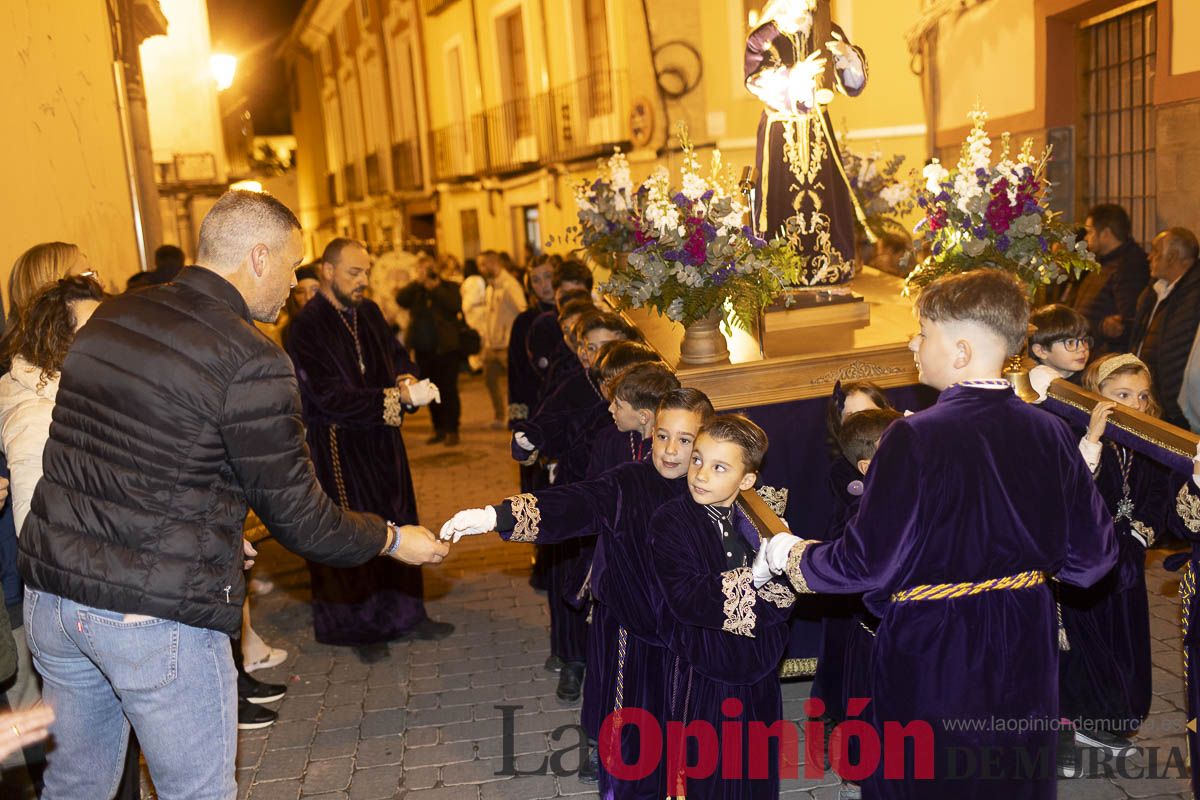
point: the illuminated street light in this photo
(223, 67)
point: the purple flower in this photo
(748, 232)
(597, 184)
(708, 195)
(980, 172)
(710, 232)
(921, 201)
(680, 200)
(980, 231)
(1003, 243)
(722, 275)
(937, 248)
(943, 197)
(1044, 244)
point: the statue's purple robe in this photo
(980, 486)
(616, 508)
(383, 599)
(1105, 674)
(821, 198)
(726, 638)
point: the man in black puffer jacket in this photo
(173, 414)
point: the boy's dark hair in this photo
(611, 322)
(575, 307)
(688, 399)
(1053, 323)
(574, 296)
(740, 430)
(642, 386)
(988, 296)
(837, 403)
(615, 357)
(1113, 217)
(572, 270)
(46, 328)
(859, 437)
(169, 258)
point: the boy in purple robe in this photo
(634, 394)
(524, 382)
(971, 504)
(617, 506)
(724, 621)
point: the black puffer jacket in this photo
(173, 413)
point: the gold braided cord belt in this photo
(949, 591)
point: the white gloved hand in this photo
(470, 522)
(422, 393)
(1040, 378)
(523, 441)
(779, 548)
(760, 569)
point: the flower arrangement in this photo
(998, 215)
(884, 197)
(684, 250)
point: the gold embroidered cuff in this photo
(529, 518)
(795, 575)
(776, 499)
(393, 413)
(1144, 531)
(778, 594)
(517, 411)
(1187, 505)
(738, 587)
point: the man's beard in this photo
(347, 300)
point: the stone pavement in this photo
(425, 723)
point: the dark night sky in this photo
(252, 30)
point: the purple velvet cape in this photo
(727, 638)
(1105, 675)
(617, 507)
(544, 343)
(383, 599)
(524, 381)
(979, 486)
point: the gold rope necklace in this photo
(353, 330)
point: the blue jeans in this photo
(103, 671)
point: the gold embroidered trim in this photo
(793, 566)
(1144, 531)
(778, 594)
(1187, 506)
(949, 591)
(517, 411)
(393, 414)
(798, 668)
(776, 499)
(738, 587)
(529, 518)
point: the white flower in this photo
(934, 173)
(894, 194)
(973, 247)
(694, 186)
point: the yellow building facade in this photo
(464, 125)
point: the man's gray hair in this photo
(239, 221)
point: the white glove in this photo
(760, 568)
(523, 442)
(471, 522)
(1040, 378)
(422, 393)
(778, 548)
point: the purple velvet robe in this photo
(544, 343)
(980, 486)
(616, 507)
(383, 599)
(1105, 675)
(727, 639)
(524, 380)
(1184, 521)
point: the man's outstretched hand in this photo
(471, 522)
(418, 546)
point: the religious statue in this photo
(795, 58)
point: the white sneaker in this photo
(273, 658)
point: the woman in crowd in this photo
(40, 266)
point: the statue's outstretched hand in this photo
(470, 522)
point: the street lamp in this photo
(223, 67)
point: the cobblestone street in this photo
(425, 723)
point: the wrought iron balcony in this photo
(406, 166)
(458, 151)
(513, 140)
(585, 118)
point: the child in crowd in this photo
(845, 482)
(1104, 671)
(618, 506)
(855, 627)
(572, 281)
(1060, 340)
(963, 518)
(524, 383)
(724, 622)
(634, 394)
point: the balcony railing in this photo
(406, 166)
(458, 150)
(374, 175)
(350, 182)
(570, 122)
